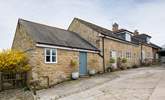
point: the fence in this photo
(12, 80)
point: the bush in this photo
(135, 66)
(13, 61)
(123, 64)
(124, 60)
(119, 62)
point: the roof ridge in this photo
(91, 23)
(20, 19)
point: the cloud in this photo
(57, 13)
(148, 18)
(145, 15)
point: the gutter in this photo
(65, 48)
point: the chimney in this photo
(115, 27)
(136, 32)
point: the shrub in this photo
(124, 60)
(135, 66)
(123, 64)
(73, 63)
(13, 61)
(119, 62)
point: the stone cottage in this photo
(51, 51)
(116, 42)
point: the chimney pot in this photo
(136, 32)
(115, 27)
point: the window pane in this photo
(53, 58)
(47, 52)
(53, 51)
(47, 58)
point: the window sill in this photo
(50, 62)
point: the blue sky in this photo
(145, 15)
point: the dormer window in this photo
(148, 40)
(127, 37)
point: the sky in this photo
(147, 16)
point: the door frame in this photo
(83, 70)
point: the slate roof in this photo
(49, 35)
(118, 34)
(106, 32)
(122, 30)
(155, 46)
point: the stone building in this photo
(51, 51)
(116, 42)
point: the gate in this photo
(12, 80)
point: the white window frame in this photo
(127, 36)
(51, 49)
(148, 40)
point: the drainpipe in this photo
(141, 53)
(103, 53)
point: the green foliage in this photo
(73, 63)
(112, 60)
(124, 60)
(13, 61)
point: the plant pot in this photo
(92, 72)
(75, 75)
(114, 66)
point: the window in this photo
(148, 40)
(128, 37)
(119, 54)
(50, 55)
(113, 54)
(128, 55)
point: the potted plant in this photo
(92, 72)
(92, 63)
(124, 61)
(75, 74)
(112, 64)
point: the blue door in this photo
(83, 63)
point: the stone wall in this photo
(121, 49)
(21, 40)
(155, 54)
(148, 53)
(90, 35)
(84, 31)
(93, 37)
(57, 72)
(93, 62)
(61, 70)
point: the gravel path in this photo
(137, 86)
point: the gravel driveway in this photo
(133, 84)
